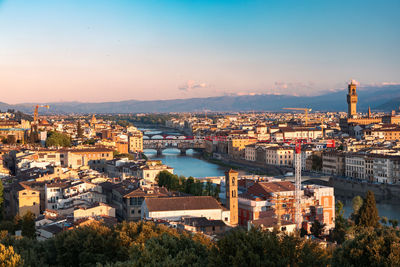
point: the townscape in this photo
(199, 133)
(61, 173)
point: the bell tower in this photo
(231, 187)
(352, 99)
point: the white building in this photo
(174, 208)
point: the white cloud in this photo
(190, 85)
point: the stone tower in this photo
(231, 186)
(352, 99)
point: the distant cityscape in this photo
(71, 171)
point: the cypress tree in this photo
(368, 213)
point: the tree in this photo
(11, 140)
(28, 225)
(317, 228)
(357, 202)
(394, 222)
(370, 247)
(57, 139)
(316, 162)
(8, 258)
(368, 213)
(339, 232)
(168, 250)
(1, 199)
(79, 130)
(384, 220)
(264, 248)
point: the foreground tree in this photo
(370, 247)
(356, 203)
(8, 258)
(338, 234)
(1, 200)
(263, 248)
(28, 225)
(317, 228)
(368, 213)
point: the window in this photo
(132, 211)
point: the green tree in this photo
(357, 202)
(28, 225)
(370, 247)
(264, 248)
(316, 162)
(1, 200)
(317, 228)
(368, 213)
(339, 232)
(79, 130)
(394, 223)
(167, 250)
(384, 220)
(57, 139)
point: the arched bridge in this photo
(181, 144)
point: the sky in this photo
(103, 50)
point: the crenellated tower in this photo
(352, 100)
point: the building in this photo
(135, 140)
(231, 187)
(152, 168)
(347, 124)
(98, 209)
(204, 225)
(334, 162)
(276, 199)
(174, 208)
(352, 99)
(279, 156)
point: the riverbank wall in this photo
(348, 189)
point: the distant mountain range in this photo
(383, 98)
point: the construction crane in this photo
(306, 110)
(36, 112)
(297, 184)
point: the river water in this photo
(192, 164)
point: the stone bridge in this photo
(325, 179)
(182, 144)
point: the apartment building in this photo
(279, 156)
(334, 163)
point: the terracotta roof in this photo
(264, 189)
(182, 203)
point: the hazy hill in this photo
(382, 98)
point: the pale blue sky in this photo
(113, 50)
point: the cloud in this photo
(190, 85)
(293, 88)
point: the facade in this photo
(135, 140)
(152, 168)
(237, 145)
(231, 187)
(276, 200)
(279, 156)
(174, 208)
(352, 99)
(99, 209)
(334, 162)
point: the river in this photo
(192, 164)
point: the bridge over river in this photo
(182, 144)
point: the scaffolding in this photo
(297, 184)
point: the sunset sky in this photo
(78, 50)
